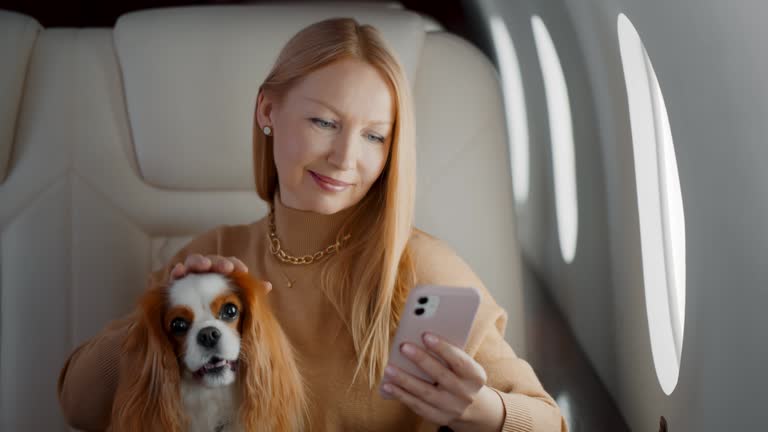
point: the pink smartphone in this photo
(447, 312)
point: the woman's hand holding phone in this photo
(428, 369)
(459, 398)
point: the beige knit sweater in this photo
(88, 380)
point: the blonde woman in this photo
(334, 156)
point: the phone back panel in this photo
(451, 320)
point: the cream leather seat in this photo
(130, 141)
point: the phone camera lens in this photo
(423, 300)
(419, 311)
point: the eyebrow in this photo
(336, 111)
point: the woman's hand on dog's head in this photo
(197, 263)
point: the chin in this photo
(332, 206)
(205, 353)
(330, 203)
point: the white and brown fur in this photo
(164, 383)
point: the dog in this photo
(206, 354)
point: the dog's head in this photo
(208, 330)
(202, 319)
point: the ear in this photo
(147, 396)
(271, 386)
(264, 107)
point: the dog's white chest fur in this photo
(210, 409)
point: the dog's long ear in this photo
(147, 396)
(273, 392)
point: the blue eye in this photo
(376, 138)
(322, 123)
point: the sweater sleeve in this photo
(528, 407)
(88, 381)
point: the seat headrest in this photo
(191, 77)
(17, 38)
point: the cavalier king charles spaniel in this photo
(206, 354)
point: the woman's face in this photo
(331, 135)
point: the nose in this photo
(344, 152)
(208, 337)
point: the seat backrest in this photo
(17, 38)
(130, 141)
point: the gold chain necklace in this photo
(277, 250)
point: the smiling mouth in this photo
(216, 366)
(329, 180)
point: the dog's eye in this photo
(179, 326)
(228, 312)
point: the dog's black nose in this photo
(208, 337)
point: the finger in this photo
(424, 391)
(445, 377)
(197, 263)
(417, 405)
(178, 271)
(220, 264)
(239, 265)
(458, 361)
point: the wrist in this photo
(485, 414)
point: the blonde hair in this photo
(369, 279)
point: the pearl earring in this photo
(267, 130)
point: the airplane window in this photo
(514, 101)
(561, 133)
(564, 402)
(660, 206)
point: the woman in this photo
(334, 154)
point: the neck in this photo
(304, 232)
(209, 408)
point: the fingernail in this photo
(390, 371)
(409, 349)
(387, 388)
(430, 338)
